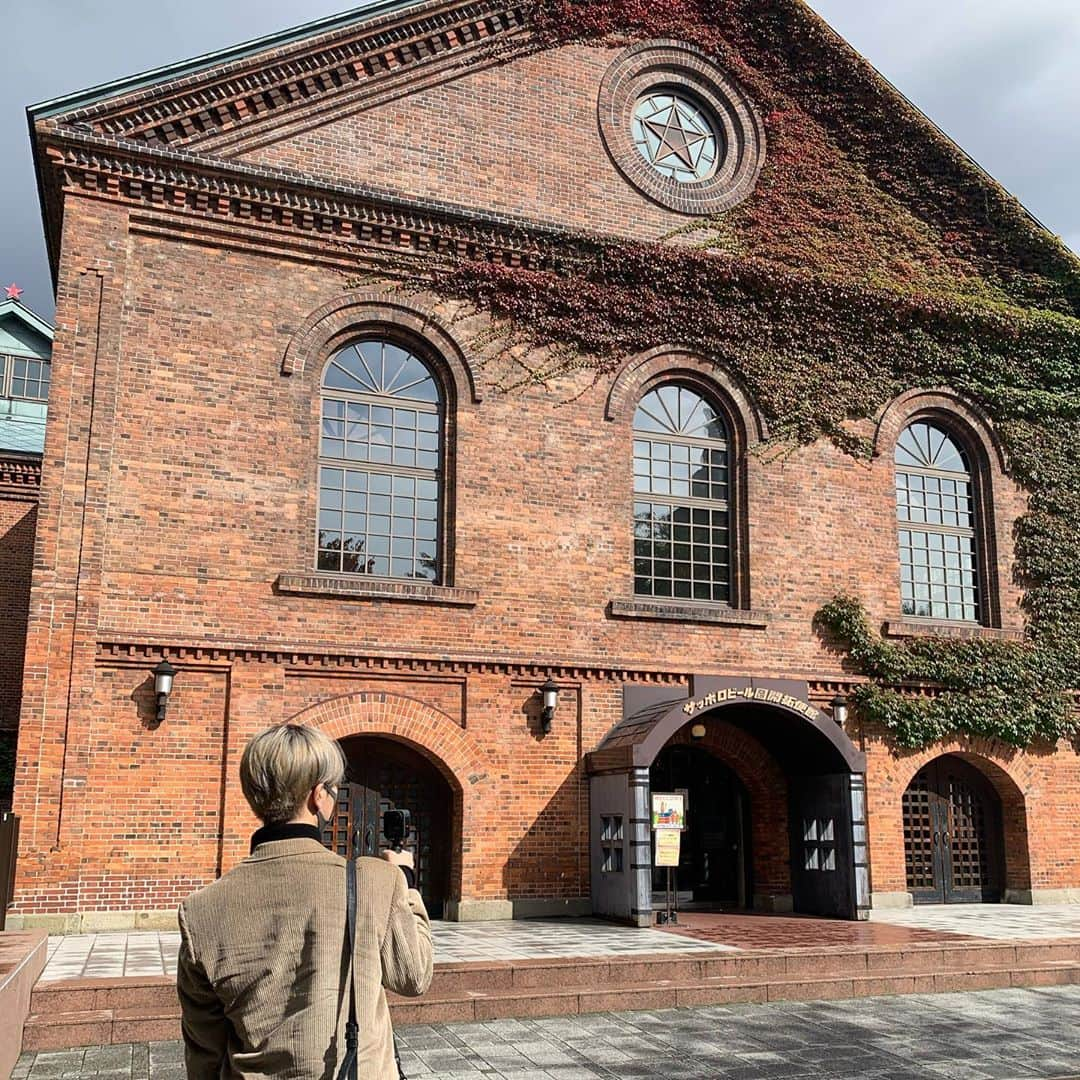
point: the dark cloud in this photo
(997, 75)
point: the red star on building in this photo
(14, 292)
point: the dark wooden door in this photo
(385, 776)
(714, 852)
(952, 835)
(822, 860)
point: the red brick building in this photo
(25, 349)
(303, 486)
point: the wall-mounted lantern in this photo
(839, 709)
(698, 731)
(549, 692)
(163, 680)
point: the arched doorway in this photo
(953, 842)
(384, 774)
(806, 776)
(714, 863)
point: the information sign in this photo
(668, 842)
(668, 811)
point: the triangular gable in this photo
(232, 111)
(23, 332)
(204, 104)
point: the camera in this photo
(396, 828)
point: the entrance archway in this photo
(715, 855)
(818, 839)
(954, 849)
(384, 774)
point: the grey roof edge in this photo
(28, 316)
(81, 99)
(933, 125)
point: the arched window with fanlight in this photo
(682, 518)
(380, 464)
(936, 512)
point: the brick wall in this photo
(171, 507)
(17, 520)
(518, 138)
(18, 515)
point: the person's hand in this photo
(399, 858)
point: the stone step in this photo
(85, 995)
(159, 1019)
(519, 1003)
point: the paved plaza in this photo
(148, 953)
(991, 1035)
(141, 953)
(1002, 922)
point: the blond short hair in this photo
(281, 765)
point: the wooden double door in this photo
(384, 775)
(953, 835)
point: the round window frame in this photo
(680, 98)
(679, 69)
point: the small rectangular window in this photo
(819, 844)
(611, 844)
(29, 379)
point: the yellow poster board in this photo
(667, 847)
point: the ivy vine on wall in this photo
(873, 257)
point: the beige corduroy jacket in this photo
(262, 965)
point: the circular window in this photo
(675, 136)
(679, 130)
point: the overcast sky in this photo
(1000, 76)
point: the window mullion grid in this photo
(407, 497)
(957, 600)
(682, 529)
(699, 535)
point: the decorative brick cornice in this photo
(113, 653)
(20, 478)
(273, 203)
(139, 654)
(340, 66)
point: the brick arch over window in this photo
(670, 364)
(974, 434)
(381, 311)
(766, 784)
(1014, 777)
(963, 419)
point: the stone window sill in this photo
(363, 588)
(687, 611)
(915, 628)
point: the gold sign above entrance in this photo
(758, 694)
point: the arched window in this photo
(380, 464)
(935, 508)
(682, 545)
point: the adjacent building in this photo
(25, 351)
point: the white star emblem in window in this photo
(675, 137)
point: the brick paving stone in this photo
(988, 1035)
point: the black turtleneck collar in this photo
(294, 831)
(286, 831)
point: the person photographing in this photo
(265, 974)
